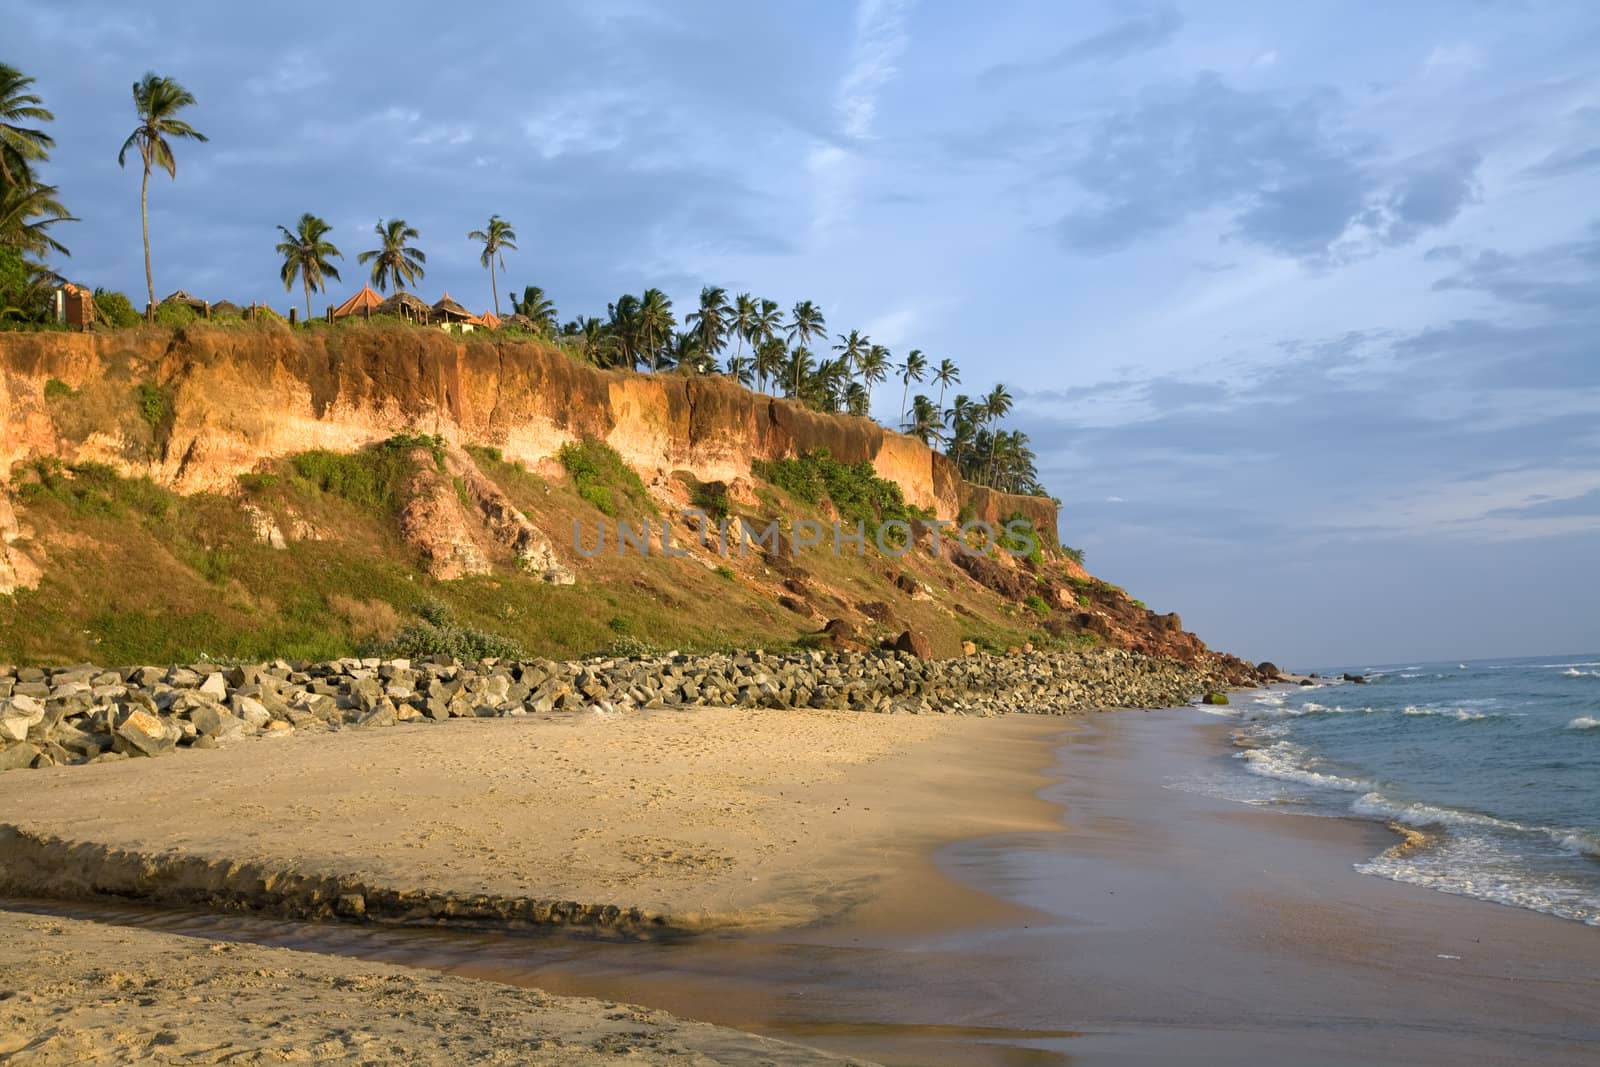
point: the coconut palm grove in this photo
(751, 339)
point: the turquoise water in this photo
(1496, 762)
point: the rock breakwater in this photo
(86, 713)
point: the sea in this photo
(1490, 768)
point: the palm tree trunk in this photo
(494, 288)
(144, 217)
(307, 282)
(904, 393)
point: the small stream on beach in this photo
(1127, 942)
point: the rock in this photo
(968, 648)
(1267, 669)
(250, 710)
(1356, 678)
(914, 643)
(1307, 681)
(215, 686)
(143, 733)
(217, 724)
(1214, 698)
(15, 757)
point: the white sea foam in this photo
(1378, 806)
(1290, 762)
(1459, 714)
(1481, 865)
(1584, 722)
(1573, 672)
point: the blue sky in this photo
(1299, 301)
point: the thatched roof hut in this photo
(490, 320)
(447, 311)
(364, 303)
(406, 306)
(181, 297)
(519, 321)
(226, 307)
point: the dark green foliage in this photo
(153, 406)
(116, 309)
(55, 389)
(370, 478)
(711, 498)
(1036, 603)
(90, 488)
(854, 489)
(435, 633)
(1074, 554)
(724, 572)
(175, 316)
(1016, 544)
(602, 478)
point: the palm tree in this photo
(996, 406)
(801, 366)
(766, 324)
(158, 101)
(912, 370)
(655, 323)
(394, 260)
(857, 399)
(923, 422)
(623, 325)
(306, 255)
(947, 374)
(771, 358)
(21, 146)
(710, 321)
(962, 422)
(741, 369)
(27, 211)
(805, 323)
(874, 366)
(594, 334)
(496, 238)
(743, 319)
(539, 308)
(852, 347)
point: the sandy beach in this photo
(889, 888)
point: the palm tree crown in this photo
(308, 256)
(20, 146)
(158, 101)
(710, 321)
(395, 261)
(539, 308)
(497, 238)
(912, 370)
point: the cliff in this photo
(252, 493)
(234, 397)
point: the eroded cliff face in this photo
(219, 401)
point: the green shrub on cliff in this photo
(854, 489)
(115, 309)
(602, 478)
(370, 478)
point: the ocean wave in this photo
(1584, 722)
(1573, 672)
(1459, 714)
(1475, 865)
(1289, 762)
(1421, 816)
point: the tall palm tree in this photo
(710, 320)
(497, 238)
(852, 347)
(741, 369)
(158, 101)
(27, 211)
(962, 422)
(996, 406)
(771, 359)
(923, 422)
(308, 256)
(946, 374)
(534, 305)
(874, 366)
(857, 399)
(655, 324)
(742, 320)
(21, 146)
(394, 260)
(594, 334)
(623, 325)
(801, 366)
(805, 323)
(912, 370)
(766, 324)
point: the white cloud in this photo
(880, 40)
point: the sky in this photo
(1298, 301)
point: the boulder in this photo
(15, 757)
(914, 643)
(1267, 669)
(143, 733)
(1214, 698)
(217, 724)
